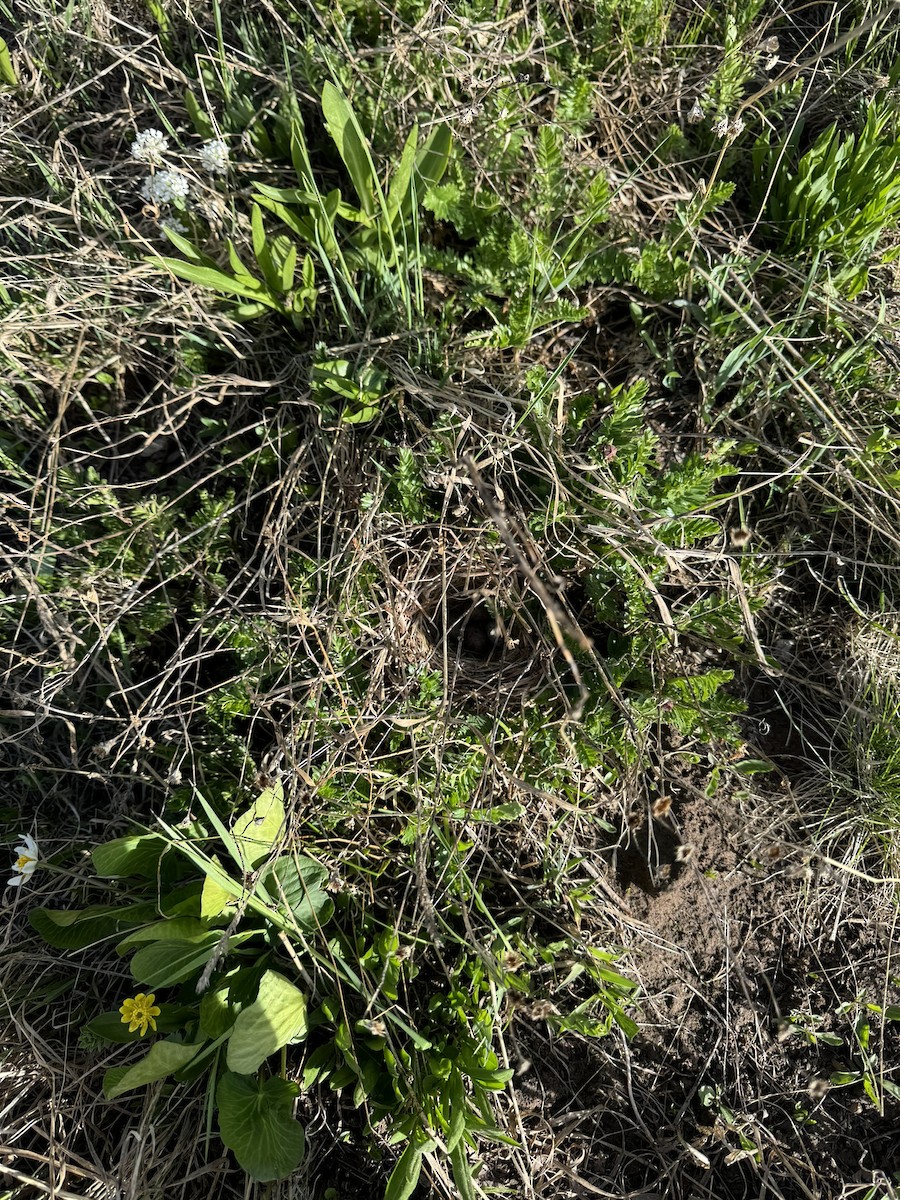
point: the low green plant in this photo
(256, 956)
(368, 250)
(864, 1066)
(838, 198)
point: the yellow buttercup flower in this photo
(139, 1013)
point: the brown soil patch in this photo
(712, 1100)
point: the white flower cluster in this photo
(149, 147)
(169, 186)
(164, 187)
(214, 157)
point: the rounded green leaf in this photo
(256, 831)
(136, 854)
(276, 1017)
(298, 884)
(256, 1122)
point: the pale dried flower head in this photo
(541, 1009)
(729, 127)
(511, 960)
(662, 806)
(695, 116)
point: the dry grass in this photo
(211, 581)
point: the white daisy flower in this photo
(26, 860)
(150, 146)
(214, 157)
(164, 187)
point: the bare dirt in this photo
(716, 1097)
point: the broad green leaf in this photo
(135, 854)
(433, 158)
(256, 1122)
(73, 929)
(752, 766)
(298, 884)
(185, 929)
(214, 899)
(341, 122)
(216, 1014)
(398, 198)
(213, 278)
(299, 225)
(256, 831)
(498, 813)
(163, 1059)
(237, 265)
(276, 1017)
(191, 252)
(249, 312)
(841, 1078)
(286, 195)
(405, 1175)
(163, 964)
(288, 267)
(258, 233)
(359, 414)
(494, 1080)
(456, 1095)
(199, 119)
(320, 1060)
